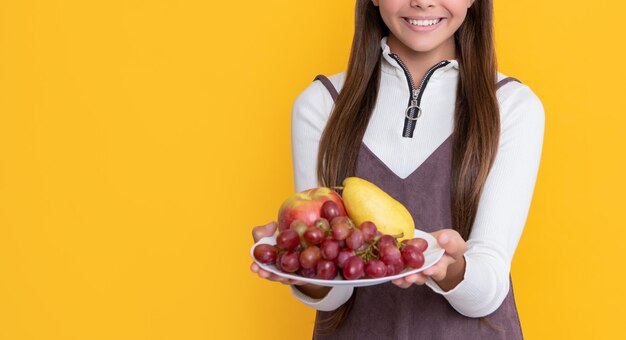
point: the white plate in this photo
(431, 256)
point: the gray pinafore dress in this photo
(388, 312)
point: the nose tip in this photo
(422, 3)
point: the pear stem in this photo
(337, 188)
(398, 235)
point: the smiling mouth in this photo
(423, 23)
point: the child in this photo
(423, 113)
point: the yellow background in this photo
(140, 141)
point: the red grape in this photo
(330, 210)
(289, 262)
(287, 239)
(375, 268)
(319, 250)
(390, 254)
(355, 240)
(412, 256)
(394, 268)
(277, 264)
(307, 272)
(363, 247)
(340, 231)
(386, 240)
(310, 256)
(369, 230)
(299, 226)
(265, 253)
(329, 249)
(419, 243)
(326, 270)
(343, 256)
(342, 219)
(314, 235)
(323, 224)
(353, 269)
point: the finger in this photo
(411, 278)
(440, 274)
(263, 274)
(440, 270)
(263, 231)
(296, 282)
(254, 267)
(402, 283)
(432, 270)
(406, 281)
(416, 279)
(278, 279)
(271, 277)
(419, 279)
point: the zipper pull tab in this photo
(413, 107)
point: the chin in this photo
(423, 47)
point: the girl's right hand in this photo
(314, 291)
(259, 233)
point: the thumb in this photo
(451, 242)
(263, 231)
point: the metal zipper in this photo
(415, 95)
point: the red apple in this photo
(307, 206)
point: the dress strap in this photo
(329, 86)
(505, 81)
(333, 91)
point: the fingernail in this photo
(443, 239)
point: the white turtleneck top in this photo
(507, 193)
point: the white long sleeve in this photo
(507, 194)
(309, 116)
(503, 208)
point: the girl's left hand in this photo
(449, 270)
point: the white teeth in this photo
(423, 22)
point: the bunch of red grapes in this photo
(326, 249)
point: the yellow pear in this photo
(364, 201)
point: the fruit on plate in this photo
(365, 233)
(364, 201)
(265, 253)
(350, 254)
(309, 206)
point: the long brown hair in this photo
(477, 117)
